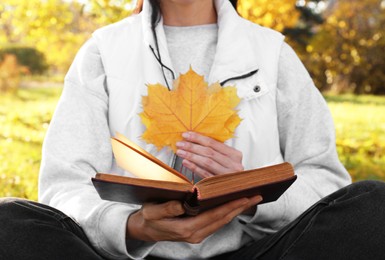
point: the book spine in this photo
(191, 204)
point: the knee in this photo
(367, 193)
(377, 187)
(8, 202)
(371, 190)
(10, 208)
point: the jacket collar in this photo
(235, 53)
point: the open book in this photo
(158, 182)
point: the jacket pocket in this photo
(252, 87)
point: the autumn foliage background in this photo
(341, 42)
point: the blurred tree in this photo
(296, 19)
(342, 43)
(274, 14)
(52, 26)
(29, 57)
(311, 12)
(109, 11)
(348, 52)
(56, 27)
(10, 72)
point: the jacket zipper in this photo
(244, 76)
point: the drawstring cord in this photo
(159, 58)
(162, 66)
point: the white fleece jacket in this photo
(97, 101)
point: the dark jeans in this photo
(348, 224)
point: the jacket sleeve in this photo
(307, 140)
(77, 146)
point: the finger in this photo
(169, 209)
(201, 164)
(200, 234)
(184, 229)
(230, 208)
(203, 173)
(255, 200)
(214, 215)
(208, 158)
(209, 142)
(225, 219)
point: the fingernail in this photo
(186, 135)
(257, 199)
(180, 152)
(180, 144)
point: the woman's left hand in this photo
(207, 157)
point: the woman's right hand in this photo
(161, 222)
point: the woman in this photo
(284, 119)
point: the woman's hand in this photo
(207, 157)
(160, 222)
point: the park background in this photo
(341, 42)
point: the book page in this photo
(142, 164)
(165, 185)
(227, 183)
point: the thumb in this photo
(169, 209)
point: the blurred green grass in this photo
(360, 130)
(24, 119)
(25, 116)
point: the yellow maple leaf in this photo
(191, 106)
